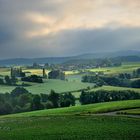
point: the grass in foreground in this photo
(70, 128)
(63, 124)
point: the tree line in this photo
(7, 80)
(89, 97)
(21, 100)
(122, 79)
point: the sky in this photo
(48, 28)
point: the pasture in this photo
(124, 68)
(116, 88)
(70, 128)
(59, 86)
(73, 123)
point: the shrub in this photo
(49, 105)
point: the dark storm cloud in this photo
(97, 40)
(33, 28)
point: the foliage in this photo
(135, 84)
(32, 78)
(67, 99)
(19, 91)
(106, 96)
(49, 105)
(36, 103)
(54, 98)
(56, 74)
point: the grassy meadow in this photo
(66, 124)
(124, 68)
(70, 128)
(84, 109)
(48, 85)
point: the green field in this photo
(116, 88)
(84, 109)
(57, 85)
(108, 88)
(125, 68)
(4, 71)
(70, 128)
(130, 111)
(67, 124)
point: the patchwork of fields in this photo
(78, 122)
(73, 82)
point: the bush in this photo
(65, 103)
(67, 99)
(32, 78)
(54, 98)
(19, 91)
(5, 108)
(24, 99)
(36, 103)
(17, 109)
(135, 84)
(49, 105)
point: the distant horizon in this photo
(88, 53)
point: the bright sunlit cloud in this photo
(41, 25)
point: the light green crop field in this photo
(66, 124)
(48, 85)
(57, 85)
(4, 71)
(125, 68)
(74, 77)
(115, 88)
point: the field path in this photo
(114, 113)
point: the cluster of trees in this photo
(20, 100)
(32, 78)
(56, 74)
(17, 72)
(8, 81)
(75, 64)
(136, 73)
(104, 80)
(135, 83)
(106, 96)
(122, 79)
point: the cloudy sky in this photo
(43, 28)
